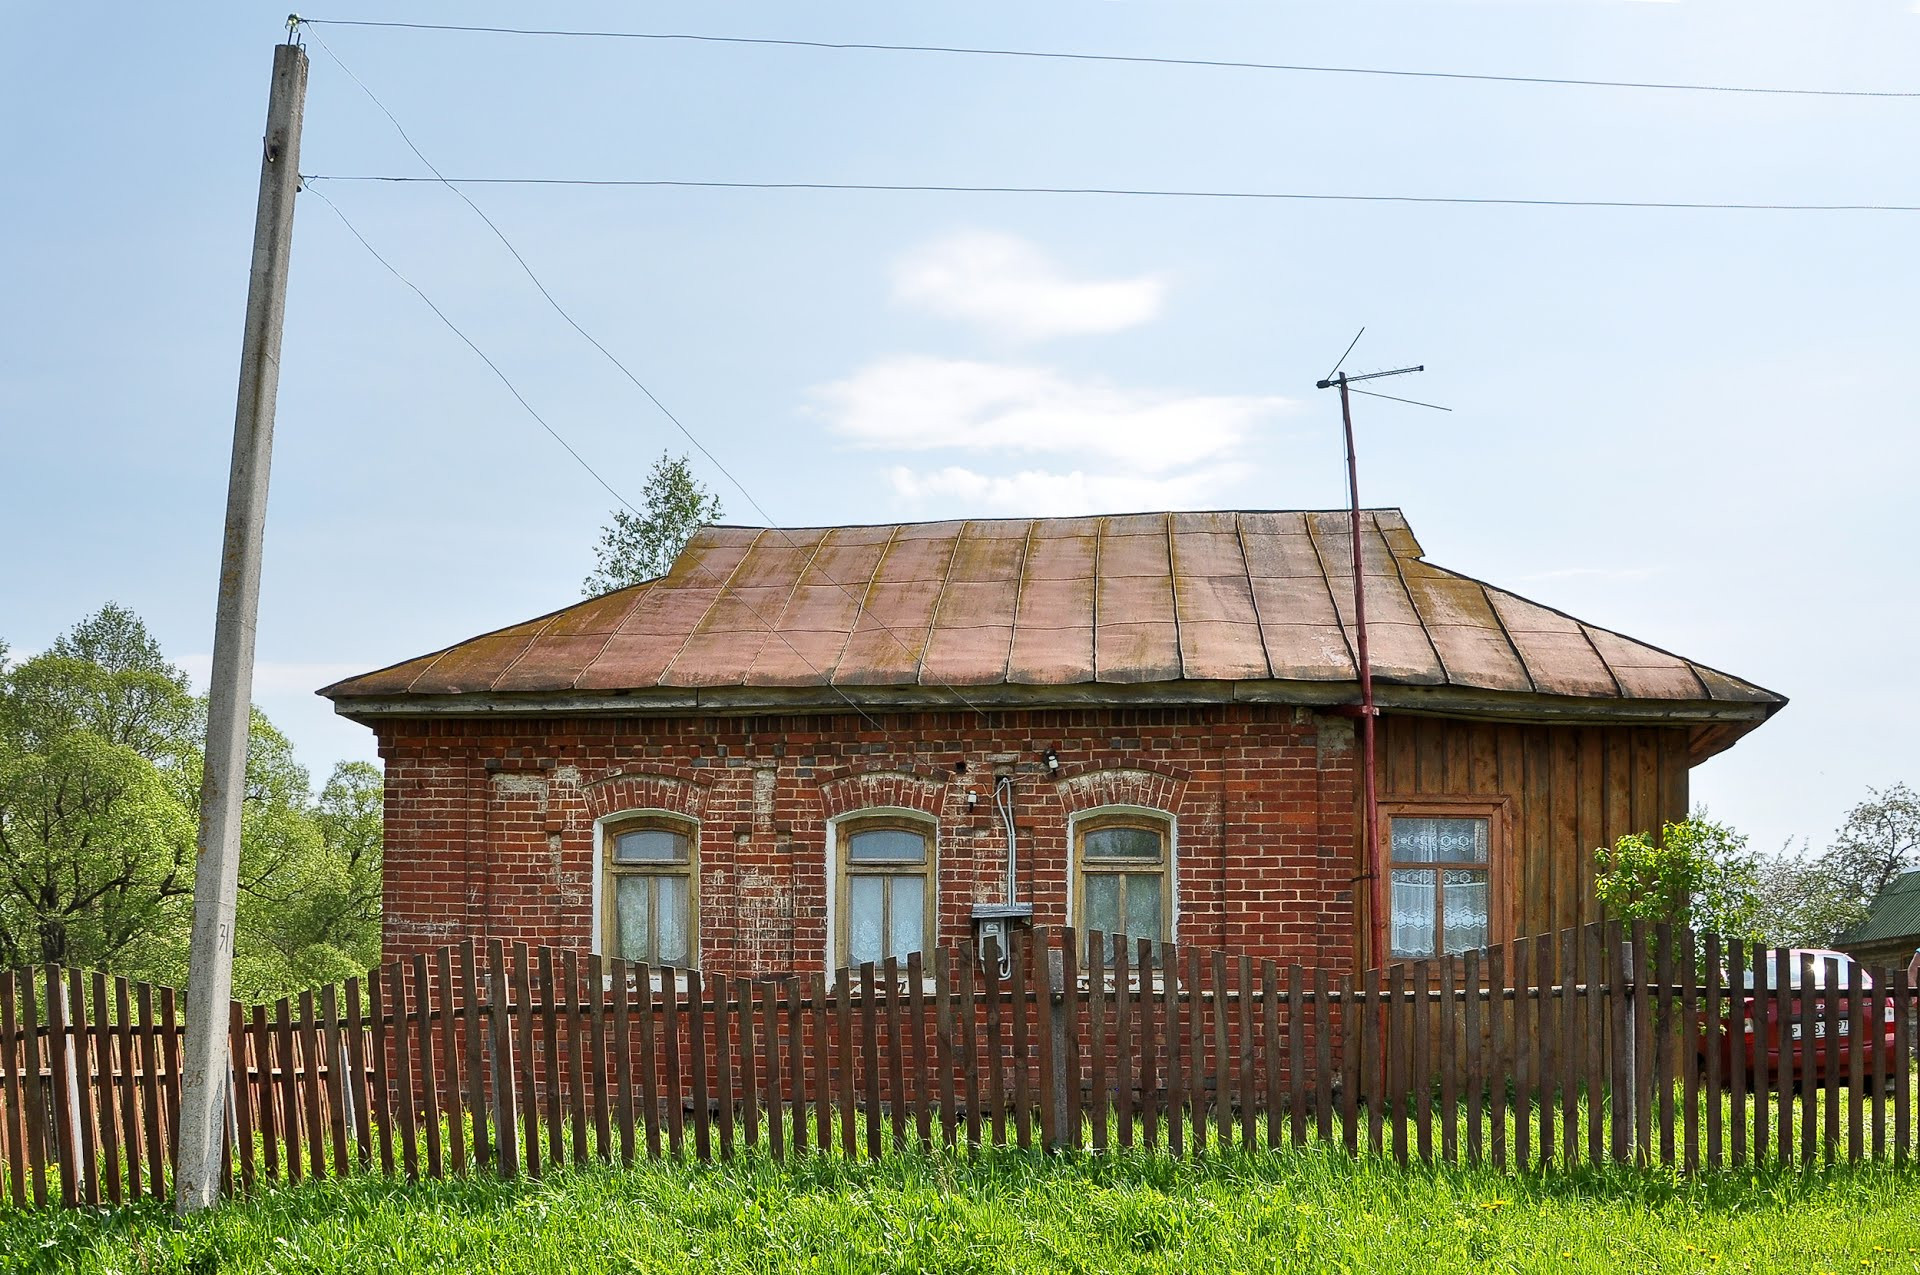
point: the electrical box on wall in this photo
(998, 921)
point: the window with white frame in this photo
(886, 888)
(1124, 886)
(649, 891)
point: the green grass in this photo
(1297, 1211)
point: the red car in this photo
(1763, 1026)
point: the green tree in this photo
(642, 545)
(100, 768)
(1695, 873)
(1809, 901)
(96, 836)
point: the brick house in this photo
(804, 748)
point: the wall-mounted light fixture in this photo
(1053, 763)
(973, 800)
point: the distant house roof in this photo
(1893, 914)
(1135, 608)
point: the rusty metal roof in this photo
(1256, 602)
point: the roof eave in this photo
(1717, 723)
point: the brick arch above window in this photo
(896, 789)
(1149, 789)
(645, 790)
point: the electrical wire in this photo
(858, 600)
(571, 450)
(950, 188)
(1130, 59)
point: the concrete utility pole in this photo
(204, 1070)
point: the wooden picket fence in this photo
(1578, 1047)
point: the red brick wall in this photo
(490, 821)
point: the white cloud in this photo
(917, 403)
(1036, 492)
(1009, 286)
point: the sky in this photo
(1692, 426)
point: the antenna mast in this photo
(1371, 850)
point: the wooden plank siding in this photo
(1571, 789)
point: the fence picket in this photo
(451, 1010)
(844, 1079)
(1152, 1099)
(1832, 1002)
(1690, 1076)
(1497, 1055)
(526, 1086)
(473, 1022)
(1196, 1059)
(749, 1062)
(1250, 1044)
(672, 1092)
(1224, 1088)
(969, 1045)
(500, 1062)
(1733, 1031)
(1856, 1059)
(923, 1079)
(770, 1042)
(293, 1127)
(722, 1095)
(1018, 948)
(1125, 1056)
(1591, 976)
(1541, 1022)
(1040, 981)
(1449, 1044)
(1398, 1040)
(1373, 1068)
(649, 1061)
(822, 1068)
(1167, 1014)
(337, 1082)
(944, 1044)
(1296, 1056)
(1421, 1051)
(1071, 1007)
(1809, 1016)
(405, 1048)
(1568, 1071)
(357, 1080)
(60, 1079)
(896, 1060)
(1882, 979)
(312, 1096)
(86, 1133)
(622, 993)
(1662, 1007)
(1903, 997)
(420, 1028)
(797, 1064)
(1475, 1073)
(1272, 1055)
(996, 1068)
(13, 1065)
(1097, 1027)
(1779, 981)
(869, 1061)
(576, 1063)
(127, 1045)
(1348, 1070)
(697, 1019)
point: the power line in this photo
(561, 310)
(1131, 59)
(570, 449)
(1124, 192)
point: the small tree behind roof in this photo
(641, 545)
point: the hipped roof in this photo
(1136, 608)
(1893, 914)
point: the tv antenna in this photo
(1376, 874)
